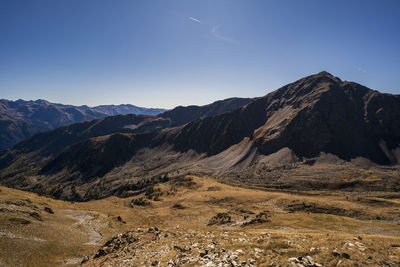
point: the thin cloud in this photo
(196, 20)
(361, 70)
(216, 33)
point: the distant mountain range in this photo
(316, 115)
(112, 110)
(21, 119)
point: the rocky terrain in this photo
(156, 247)
(197, 221)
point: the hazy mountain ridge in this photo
(20, 119)
(112, 110)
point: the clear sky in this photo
(166, 53)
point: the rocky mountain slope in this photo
(319, 113)
(314, 116)
(21, 119)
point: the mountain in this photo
(112, 110)
(181, 115)
(12, 131)
(94, 138)
(129, 123)
(319, 113)
(319, 116)
(21, 119)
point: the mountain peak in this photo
(322, 76)
(324, 73)
(42, 102)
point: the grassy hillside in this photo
(195, 220)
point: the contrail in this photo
(197, 20)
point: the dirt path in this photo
(88, 224)
(11, 235)
(91, 223)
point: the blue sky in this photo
(166, 53)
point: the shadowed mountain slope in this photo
(52, 142)
(96, 156)
(12, 131)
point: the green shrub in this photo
(139, 202)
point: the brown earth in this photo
(330, 228)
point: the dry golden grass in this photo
(284, 235)
(309, 233)
(57, 238)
